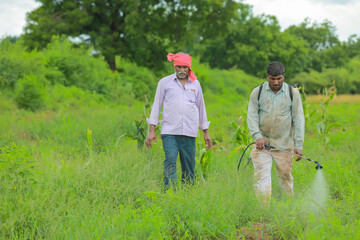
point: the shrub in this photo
(15, 63)
(30, 93)
(142, 80)
(339, 77)
(346, 79)
(312, 82)
(354, 78)
(72, 66)
(16, 165)
(59, 97)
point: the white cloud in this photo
(13, 15)
(335, 1)
(343, 14)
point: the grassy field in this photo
(74, 173)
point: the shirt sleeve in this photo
(298, 120)
(253, 115)
(156, 107)
(200, 103)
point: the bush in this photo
(312, 82)
(30, 93)
(72, 66)
(345, 79)
(339, 78)
(142, 80)
(16, 165)
(354, 78)
(59, 97)
(15, 63)
(63, 63)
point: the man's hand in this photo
(260, 144)
(151, 137)
(298, 152)
(207, 139)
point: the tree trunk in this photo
(112, 64)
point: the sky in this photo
(343, 14)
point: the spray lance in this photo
(268, 148)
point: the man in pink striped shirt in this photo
(183, 114)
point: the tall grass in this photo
(70, 171)
(119, 193)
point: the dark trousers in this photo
(173, 144)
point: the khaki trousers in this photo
(262, 161)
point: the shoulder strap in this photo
(260, 88)
(290, 92)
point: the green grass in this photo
(114, 190)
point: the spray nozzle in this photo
(318, 166)
(269, 147)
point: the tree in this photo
(353, 46)
(319, 37)
(112, 26)
(140, 30)
(251, 42)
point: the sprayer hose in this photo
(243, 156)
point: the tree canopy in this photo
(139, 30)
(224, 33)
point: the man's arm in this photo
(207, 139)
(151, 136)
(204, 123)
(253, 119)
(153, 120)
(299, 123)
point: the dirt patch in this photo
(22, 135)
(46, 116)
(257, 231)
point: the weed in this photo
(90, 145)
(30, 93)
(240, 135)
(306, 106)
(203, 159)
(324, 126)
(140, 128)
(16, 166)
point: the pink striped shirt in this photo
(183, 108)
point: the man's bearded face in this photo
(181, 71)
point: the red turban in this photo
(182, 59)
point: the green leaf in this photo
(331, 126)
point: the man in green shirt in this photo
(275, 117)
